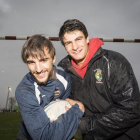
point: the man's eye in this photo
(67, 43)
(30, 63)
(44, 60)
(78, 38)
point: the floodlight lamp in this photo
(9, 88)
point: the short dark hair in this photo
(71, 25)
(34, 47)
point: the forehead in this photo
(72, 35)
(40, 55)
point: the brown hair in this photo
(34, 47)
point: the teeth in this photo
(41, 73)
(77, 51)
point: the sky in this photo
(103, 19)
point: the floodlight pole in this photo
(9, 89)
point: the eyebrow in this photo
(67, 42)
(79, 37)
(43, 59)
(39, 60)
(29, 61)
(74, 39)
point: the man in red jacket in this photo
(104, 82)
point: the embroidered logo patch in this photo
(98, 75)
(57, 91)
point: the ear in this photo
(87, 39)
(54, 59)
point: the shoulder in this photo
(61, 74)
(116, 58)
(65, 62)
(26, 84)
(118, 64)
(63, 77)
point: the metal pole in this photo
(57, 39)
(8, 97)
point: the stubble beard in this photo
(49, 77)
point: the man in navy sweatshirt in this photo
(43, 84)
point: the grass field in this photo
(9, 126)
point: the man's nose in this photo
(38, 67)
(74, 46)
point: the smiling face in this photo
(41, 67)
(76, 45)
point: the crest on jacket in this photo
(57, 91)
(98, 75)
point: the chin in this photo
(42, 82)
(78, 59)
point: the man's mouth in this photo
(77, 52)
(40, 75)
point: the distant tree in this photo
(12, 102)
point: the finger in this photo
(70, 101)
(57, 99)
(66, 108)
(67, 99)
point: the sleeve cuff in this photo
(75, 108)
(86, 125)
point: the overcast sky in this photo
(103, 19)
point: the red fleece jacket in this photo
(94, 45)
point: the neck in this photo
(79, 63)
(52, 74)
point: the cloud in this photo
(5, 10)
(4, 7)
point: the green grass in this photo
(77, 137)
(10, 126)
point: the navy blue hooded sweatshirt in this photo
(32, 98)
